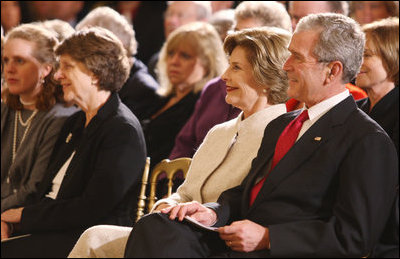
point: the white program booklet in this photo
(195, 222)
(15, 237)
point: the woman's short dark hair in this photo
(102, 53)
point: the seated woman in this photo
(257, 85)
(379, 75)
(31, 114)
(191, 56)
(98, 159)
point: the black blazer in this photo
(139, 91)
(330, 195)
(102, 180)
(161, 131)
(385, 113)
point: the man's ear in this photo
(334, 71)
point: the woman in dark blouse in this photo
(191, 56)
(379, 75)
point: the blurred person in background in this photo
(139, 91)
(217, 6)
(147, 20)
(2, 77)
(10, 14)
(223, 21)
(62, 29)
(177, 14)
(69, 11)
(369, 11)
(250, 14)
(379, 75)
(299, 9)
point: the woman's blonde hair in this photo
(45, 43)
(205, 41)
(384, 36)
(266, 51)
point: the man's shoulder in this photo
(284, 118)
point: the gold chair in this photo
(142, 196)
(170, 168)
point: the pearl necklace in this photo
(26, 124)
(26, 103)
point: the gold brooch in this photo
(68, 139)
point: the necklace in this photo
(26, 103)
(26, 124)
(28, 121)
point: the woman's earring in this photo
(264, 90)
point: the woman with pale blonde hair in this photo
(199, 36)
(192, 55)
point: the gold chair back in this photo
(170, 168)
(142, 196)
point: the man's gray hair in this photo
(341, 39)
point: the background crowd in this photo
(90, 88)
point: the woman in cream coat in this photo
(255, 83)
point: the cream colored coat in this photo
(224, 158)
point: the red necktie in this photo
(285, 142)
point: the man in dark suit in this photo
(329, 193)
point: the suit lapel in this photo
(260, 164)
(319, 134)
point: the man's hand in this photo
(245, 236)
(12, 215)
(5, 230)
(193, 209)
